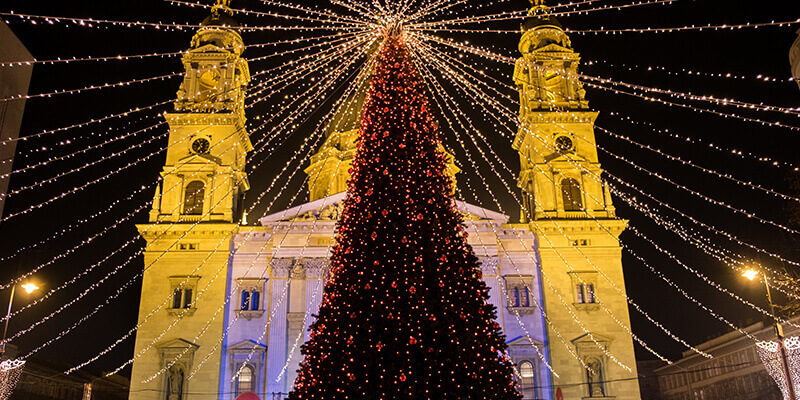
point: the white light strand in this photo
(433, 87)
(153, 312)
(626, 296)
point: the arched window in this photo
(571, 193)
(590, 293)
(245, 382)
(527, 380)
(254, 300)
(245, 300)
(193, 201)
(516, 297)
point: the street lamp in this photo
(29, 288)
(751, 274)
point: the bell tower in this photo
(195, 214)
(204, 178)
(569, 208)
(556, 140)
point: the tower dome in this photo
(221, 15)
(539, 16)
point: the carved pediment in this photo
(556, 48)
(584, 343)
(525, 341)
(330, 208)
(209, 48)
(177, 343)
(247, 346)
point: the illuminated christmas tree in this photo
(404, 315)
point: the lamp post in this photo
(28, 288)
(751, 274)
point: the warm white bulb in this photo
(29, 287)
(750, 274)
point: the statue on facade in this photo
(595, 377)
(175, 384)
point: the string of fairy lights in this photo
(599, 270)
(166, 301)
(731, 325)
(60, 335)
(433, 88)
(568, 264)
(303, 103)
(131, 214)
(220, 309)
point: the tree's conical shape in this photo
(405, 312)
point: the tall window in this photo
(187, 298)
(527, 380)
(571, 193)
(585, 293)
(245, 300)
(182, 298)
(590, 293)
(193, 202)
(516, 297)
(245, 381)
(250, 300)
(254, 300)
(176, 298)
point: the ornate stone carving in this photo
(316, 267)
(489, 265)
(328, 213)
(298, 271)
(282, 267)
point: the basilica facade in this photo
(226, 305)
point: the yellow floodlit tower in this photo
(569, 208)
(195, 213)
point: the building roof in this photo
(479, 212)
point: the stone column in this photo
(276, 346)
(316, 271)
(491, 275)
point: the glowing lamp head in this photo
(29, 288)
(750, 274)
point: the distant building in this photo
(648, 379)
(44, 380)
(794, 58)
(14, 81)
(735, 372)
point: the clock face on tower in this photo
(200, 146)
(210, 79)
(564, 144)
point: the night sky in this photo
(622, 57)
